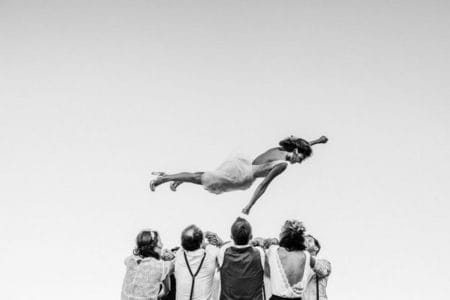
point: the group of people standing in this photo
(205, 267)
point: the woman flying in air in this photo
(239, 173)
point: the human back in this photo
(241, 266)
(195, 266)
(273, 154)
(287, 147)
(145, 270)
(242, 273)
(288, 263)
(293, 264)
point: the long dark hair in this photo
(146, 241)
(291, 143)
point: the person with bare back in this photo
(239, 173)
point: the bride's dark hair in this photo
(291, 143)
(146, 241)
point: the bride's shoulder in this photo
(276, 149)
(270, 155)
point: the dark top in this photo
(242, 274)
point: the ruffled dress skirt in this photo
(234, 174)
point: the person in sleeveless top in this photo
(146, 271)
(241, 265)
(195, 266)
(240, 173)
(288, 265)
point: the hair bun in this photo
(295, 225)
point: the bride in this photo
(239, 173)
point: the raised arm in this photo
(274, 172)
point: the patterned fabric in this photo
(144, 277)
(322, 271)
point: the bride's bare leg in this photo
(174, 185)
(195, 178)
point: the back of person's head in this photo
(317, 246)
(291, 143)
(241, 231)
(191, 238)
(292, 236)
(146, 242)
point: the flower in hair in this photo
(295, 225)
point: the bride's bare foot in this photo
(155, 182)
(152, 185)
(158, 173)
(174, 185)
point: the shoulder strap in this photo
(264, 290)
(196, 272)
(317, 287)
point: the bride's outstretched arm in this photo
(261, 188)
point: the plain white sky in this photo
(97, 94)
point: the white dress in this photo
(279, 283)
(234, 174)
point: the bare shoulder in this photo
(270, 155)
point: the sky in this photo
(95, 95)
